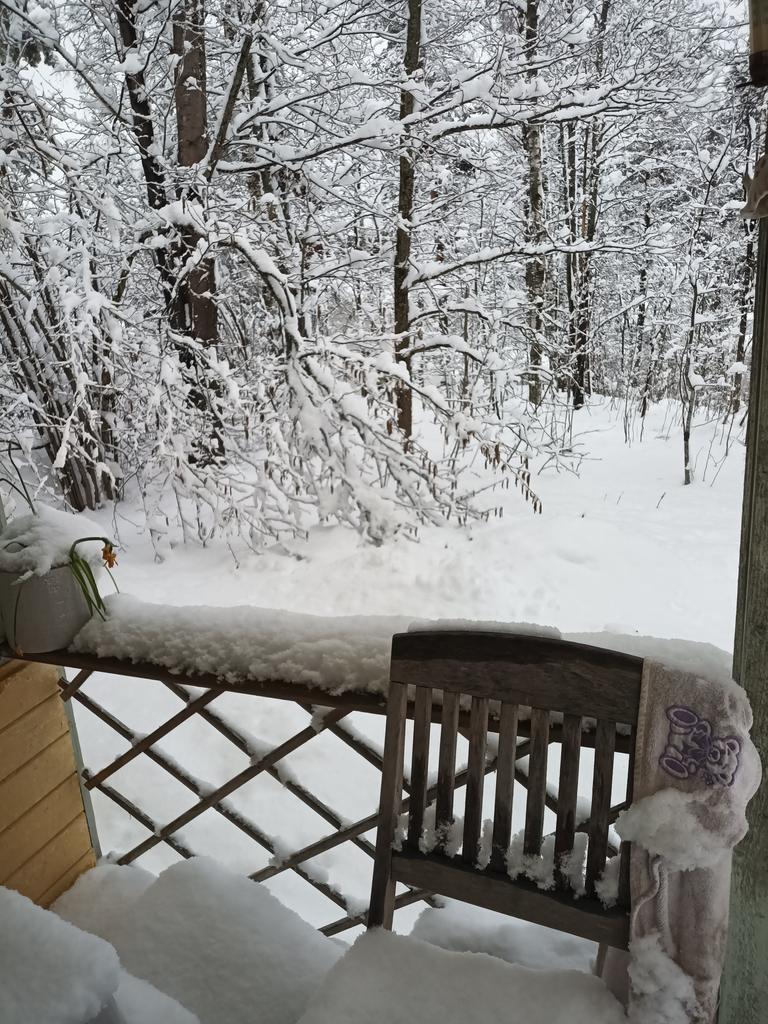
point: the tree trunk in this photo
(535, 268)
(747, 272)
(568, 139)
(405, 202)
(194, 311)
(195, 294)
(188, 281)
(687, 389)
(582, 276)
(144, 133)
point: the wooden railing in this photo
(325, 713)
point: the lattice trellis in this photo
(321, 719)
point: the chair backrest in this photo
(532, 691)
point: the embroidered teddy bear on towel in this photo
(693, 749)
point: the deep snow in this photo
(222, 946)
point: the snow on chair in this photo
(533, 691)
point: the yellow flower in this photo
(109, 556)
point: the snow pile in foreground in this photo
(51, 972)
(220, 944)
(35, 544)
(333, 653)
(102, 896)
(138, 1002)
(398, 979)
(462, 928)
(54, 973)
(662, 992)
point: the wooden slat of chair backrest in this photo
(537, 782)
(446, 764)
(473, 669)
(602, 777)
(505, 786)
(473, 806)
(567, 793)
(422, 722)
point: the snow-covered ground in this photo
(622, 546)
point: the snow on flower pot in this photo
(48, 589)
(42, 613)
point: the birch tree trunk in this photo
(590, 197)
(568, 145)
(535, 269)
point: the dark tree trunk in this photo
(188, 280)
(195, 296)
(407, 181)
(745, 291)
(194, 311)
(144, 133)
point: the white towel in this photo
(695, 771)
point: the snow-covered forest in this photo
(266, 264)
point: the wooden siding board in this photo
(60, 853)
(35, 779)
(68, 879)
(24, 738)
(22, 687)
(29, 833)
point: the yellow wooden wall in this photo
(44, 839)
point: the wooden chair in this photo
(477, 682)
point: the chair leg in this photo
(382, 909)
(602, 952)
(382, 906)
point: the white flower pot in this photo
(42, 613)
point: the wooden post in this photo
(744, 996)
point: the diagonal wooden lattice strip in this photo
(231, 815)
(352, 921)
(357, 743)
(218, 794)
(144, 819)
(69, 689)
(328, 721)
(243, 743)
(359, 827)
(152, 738)
(323, 887)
